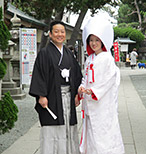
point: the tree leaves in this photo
(8, 113)
(4, 33)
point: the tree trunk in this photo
(59, 15)
(138, 13)
(47, 22)
(76, 30)
(143, 26)
(44, 38)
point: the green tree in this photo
(3, 68)
(4, 33)
(137, 36)
(123, 16)
(130, 32)
(82, 7)
(8, 113)
(42, 10)
(136, 7)
(131, 24)
(45, 9)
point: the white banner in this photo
(28, 52)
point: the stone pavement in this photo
(132, 116)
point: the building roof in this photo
(125, 41)
(12, 9)
(25, 17)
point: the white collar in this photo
(61, 51)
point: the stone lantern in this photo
(7, 56)
(16, 23)
(11, 81)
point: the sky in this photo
(74, 17)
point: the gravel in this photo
(27, 117)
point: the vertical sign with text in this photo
(116, 52)
(28, 52)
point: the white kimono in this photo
(101, 133)
(133, 56)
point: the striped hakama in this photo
(60, 139)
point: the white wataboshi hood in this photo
(101, 28)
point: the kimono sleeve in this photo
(78, 75)
(105, 76)
(38, 85)
(83, 82)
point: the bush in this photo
(3, 68)
(142, 61)
(8, 113)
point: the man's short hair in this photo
(55, 22)
(134, 49)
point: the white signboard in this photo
(124, 47)
(28, 52)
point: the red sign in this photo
(116, 51)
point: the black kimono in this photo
(47, 80)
